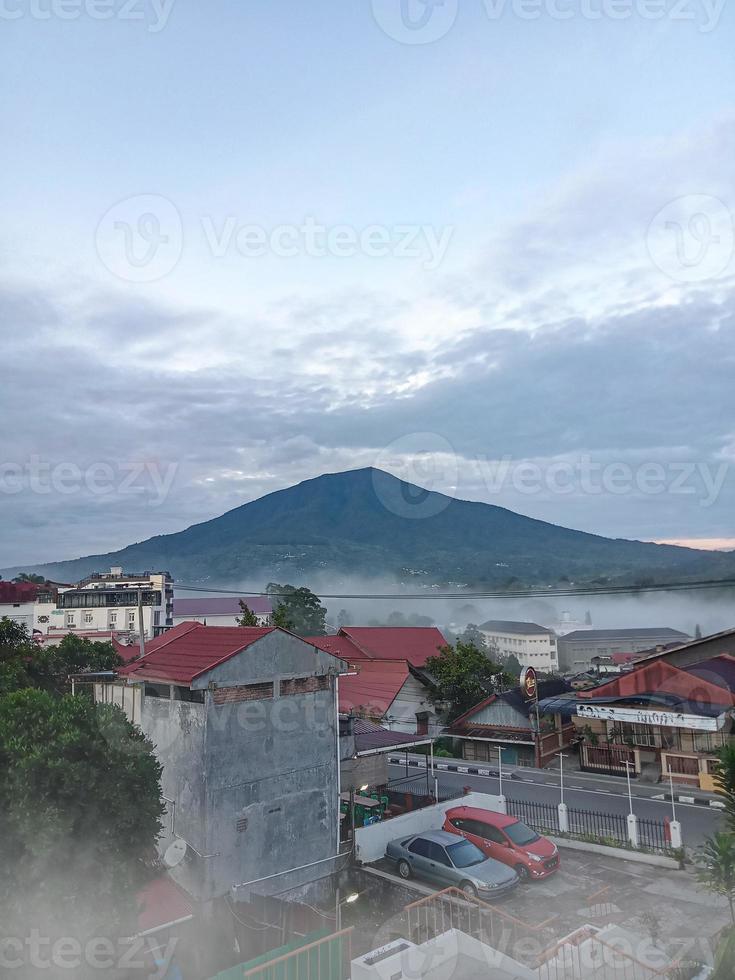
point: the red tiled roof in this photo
(126, 651)
(412, 643)
(374, 688)
(160, 904)
(190, 649)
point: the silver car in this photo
(441, 858)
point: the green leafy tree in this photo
(23, 663)
(724, 774)
(474, 635)
(463, 676)
(513, 665)
(716, 867)
(248, 617)
(80, 815)
(298, 609)
(30, 577)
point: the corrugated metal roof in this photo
(227, 605)
(375, 686)
(412, 643)
(511, 626)
(191, 649)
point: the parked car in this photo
(505, 839)
(439, 857)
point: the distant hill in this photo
(369, 522)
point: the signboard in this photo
(643, 716)
(529, 684)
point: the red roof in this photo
(17, 592)
(660, 676)
(160, 904)
(374, 688)
(337, 646)
(412, 643)
(191, 649)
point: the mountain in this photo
(368, 522)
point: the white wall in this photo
(18, 612)
(412, 698)
(370, 842)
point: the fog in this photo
(712, 609)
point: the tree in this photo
(724, 775)
(474, 635)
(298, 609)
(716, 867)
(248, 617)
(513, 665)
(81, 812)
(30, 577)
(463, 676)
(23, 663)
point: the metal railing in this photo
(453, 909)
(327, 958)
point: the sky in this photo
(487, 245)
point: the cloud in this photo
(565, 343)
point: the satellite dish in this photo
(175, 853)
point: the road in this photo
(605, 794)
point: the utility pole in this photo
(141, 631)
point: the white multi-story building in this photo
(531, 644)
(108, 602)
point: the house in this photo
(365, 749)
(109, 601)
(388, 682)
(577, 649)
(221, 610)
(533, 645)
(659, 718)
(507, 722)
(244, 723)
(17, 602)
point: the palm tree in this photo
(716, 867)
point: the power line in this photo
(504, 594)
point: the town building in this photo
(578, 650)
(533, 645)
(109, 602)
(665, 719)
(388, 682)
(244, 723)
(221, 610)
(508, 723)
(17, 602)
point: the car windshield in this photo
(520, 834)
(465, 854)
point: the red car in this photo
(505, 839)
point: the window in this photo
(157, 691)
(438, 854)
(465, 854)
(70, 619)
(422, 723)
(113, 617)
(88, 617)
(186, 694)
(419, 847)
(486, 831)
(520, 834)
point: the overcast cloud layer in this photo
(571, 359)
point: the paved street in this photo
(581, 790)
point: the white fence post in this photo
(675, 828)
(633, 829)
(563, 819)
(503, 804)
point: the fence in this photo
(453, 909)
(327, 958)
(603, 827)
(413, 793)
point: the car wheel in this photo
(404, 869)
(522, 871)
(469, 889)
